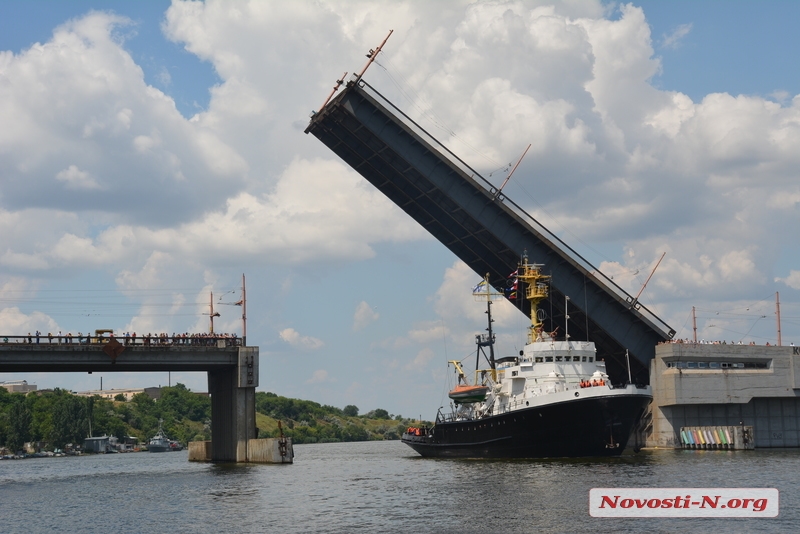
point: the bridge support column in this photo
(233, 407)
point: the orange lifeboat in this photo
(464, 393)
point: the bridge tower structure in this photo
(483, 227)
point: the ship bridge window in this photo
(584, 359)
(590, 358)
(568, 358)
(719, 365)
(548, 358)
(539, 359)
(558, 358)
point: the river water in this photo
(374, 487)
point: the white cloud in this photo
(293, 338)
(77, 179)
(16, 322)
(320, 376)
(364, 315)
(421, 360)
(428, 333)
(673, 40)
(793, 280)
(72, 108)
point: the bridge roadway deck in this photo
(17, 355)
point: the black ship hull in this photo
(598, 426)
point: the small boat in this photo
(160, 442)
(463, 393)
(552, 399)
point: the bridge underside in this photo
(482, 227)
(232, 378)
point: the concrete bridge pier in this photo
(233, 407)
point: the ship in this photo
(553, 399)
(160, 442)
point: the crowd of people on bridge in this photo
(128, 338)
(210, 339)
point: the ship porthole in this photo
(527, 403)
(577, 394)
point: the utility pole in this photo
(244, 313)
(778, 315)
(212, 314)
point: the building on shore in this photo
(110, 394)
(18, 386)
(100, 444)
(725, 385)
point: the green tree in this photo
(70, 421)
(353, 432)
(41, 408)
(179, 402)
(19, 424)
(350, 410)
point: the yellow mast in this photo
(535, 292)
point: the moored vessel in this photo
(554, 399)
(160, 442)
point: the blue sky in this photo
(154, 155)
(735, 47)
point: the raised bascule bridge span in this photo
(482, 226)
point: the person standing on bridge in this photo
(37, 336)
(50, 337)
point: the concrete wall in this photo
(200, 451)
(270, 451)
(767, 399)
(263, 451)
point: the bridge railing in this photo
(580, 261)
(195, 340)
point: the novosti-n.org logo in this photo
(683, 502)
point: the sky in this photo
(151, 153)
